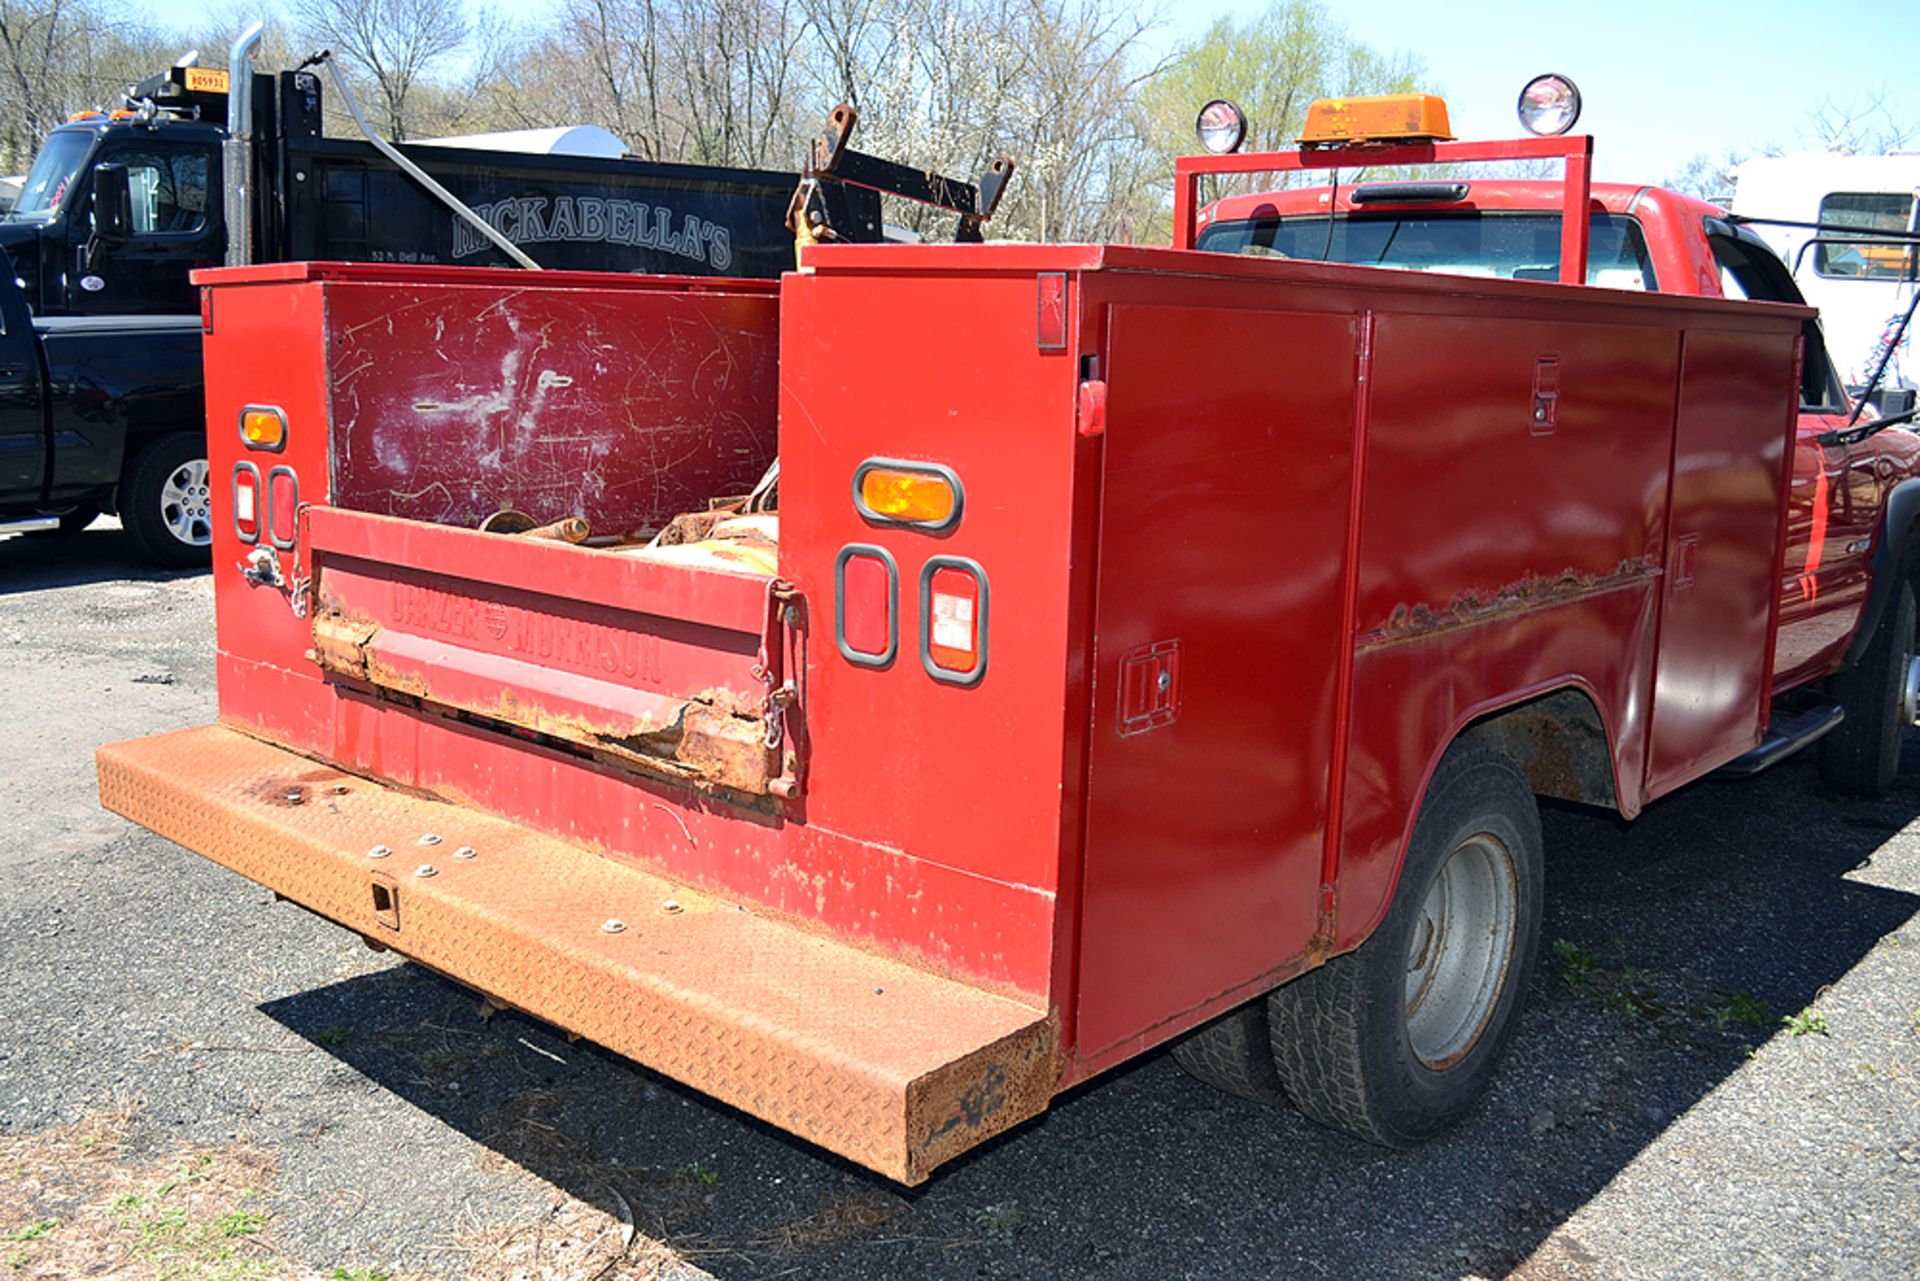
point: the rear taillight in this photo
(283, 507)
(866, 605)
(953, 619)
(246, 502)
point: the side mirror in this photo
(112, 204)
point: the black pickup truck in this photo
(101, 414)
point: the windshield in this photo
(1510, 246)
(51, 179)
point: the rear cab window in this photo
(1504, 246)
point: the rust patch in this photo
(571, 530)
(715, 740)
(1473, 607)
(340, 642)
(969, 1101)
(697, 527)
(286, 790)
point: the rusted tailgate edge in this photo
(880, 1062)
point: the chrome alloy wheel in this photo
(1910, 692)
(186, 505)
(1461, 949)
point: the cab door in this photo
(176, 228)
(1836, 490)
(23, 425)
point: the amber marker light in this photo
(924, 495)
(263, 428)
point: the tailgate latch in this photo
(783, 657)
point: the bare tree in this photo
(58, 57)
(395, 45)
(1867, 128)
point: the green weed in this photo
(1001, 1221)
(1806, 1022)
(240, 1223)
(1726, 1009)
(1575, 966)
(32, 1232)
(697, 1174)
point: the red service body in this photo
(887, 828)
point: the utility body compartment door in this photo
(1223, 529)
(1723, 548)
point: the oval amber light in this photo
(896, 494)
(262, 429)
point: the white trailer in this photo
(1862, 287)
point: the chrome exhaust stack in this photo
(236, 153)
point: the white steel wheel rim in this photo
(1461, 949)
(186, 504)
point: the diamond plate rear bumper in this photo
(884, 1063)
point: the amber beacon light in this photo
(1388, 120)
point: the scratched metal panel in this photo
(622, 406)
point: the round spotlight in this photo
(1222, 127)
(1549, 105)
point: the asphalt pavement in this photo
(1718, 1074)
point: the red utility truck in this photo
(1135, 639)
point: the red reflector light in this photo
(866, 605)
(953, 620)
(283, 507)
(246, 502)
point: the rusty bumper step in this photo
(884, 1063)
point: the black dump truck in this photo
(120, 207)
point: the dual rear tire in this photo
(1396, 1040)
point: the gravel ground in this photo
(1656, 1117)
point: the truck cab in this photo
(69, 260)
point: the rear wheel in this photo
(1862, 755)
(1395, 1041)
(166, 503)
(1233, 1053)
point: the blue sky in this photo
(1661, 81)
